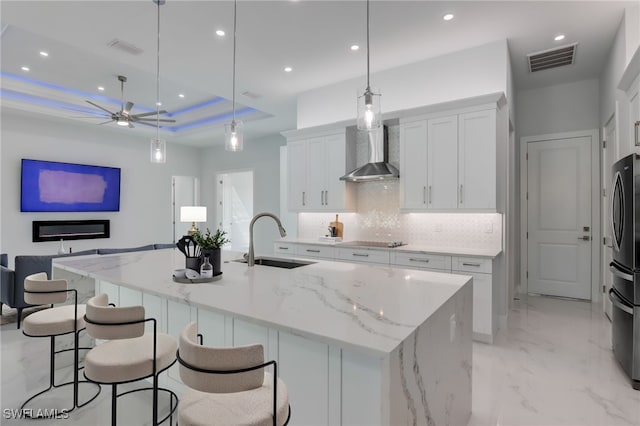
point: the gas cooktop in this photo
(381, 244)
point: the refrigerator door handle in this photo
(619, 273)
(619, 303)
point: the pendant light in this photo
(369, 115)
(158, 146)
(233, 131)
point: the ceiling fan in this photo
(124, 116)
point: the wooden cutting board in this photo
(339, 227)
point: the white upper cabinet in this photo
(413, 165)
(477, 160)
(315, 165)
(442, 160)
(449, 162)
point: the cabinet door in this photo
(634, 115)
(413, 165)
(316, 174)
(442, 163)
(335, 155)
(297, 175)
(477, 160)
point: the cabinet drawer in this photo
(284, 248)
(422, 261)
(363, 255)
(471, 264)
(310, 250)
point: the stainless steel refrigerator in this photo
(625, 293)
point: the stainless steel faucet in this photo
(283, 233)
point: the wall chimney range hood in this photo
(378, 167)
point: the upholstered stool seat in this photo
(129, 354)
(55, 321)
(52, 322)
(252, 407)
(229, 386)
(129, 359)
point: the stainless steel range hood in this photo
(378, 167)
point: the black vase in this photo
(215, 258)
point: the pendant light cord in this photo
(235, 14)
(158, 78)
(368, 85)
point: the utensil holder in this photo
(193, 263)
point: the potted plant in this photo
(210, 245)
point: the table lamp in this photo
(193, 214)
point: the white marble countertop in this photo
(370, 308)
(410, 248)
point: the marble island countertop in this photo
(370, 308)
(410, 248)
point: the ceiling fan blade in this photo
(85, 116)
(98, 106)
(106, 122)
(145, 114)
(127, 107)
(146, 124)
(153, 120)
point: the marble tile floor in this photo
(552, 366)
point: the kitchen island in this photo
(356, 344)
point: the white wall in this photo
(263, 157)
(632, 31)
(145, 199)
(556, 109)
(615, 66)
(463, 74)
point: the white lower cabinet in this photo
(431, 262)
(313, 250)
(362, 255)
(284, 248)
(303, 366)
(484, 320)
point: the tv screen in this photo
(48, 186)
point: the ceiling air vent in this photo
(251, 95)
(125, 47)
(552, 58)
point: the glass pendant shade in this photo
(369, 113)
(158, 151)
(233, 137)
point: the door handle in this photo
(585, 238)
(636, 125)
(424, 195)
(360, 255)
(413, 259)
(620, 274)
(619, 303)
(322, 198)
(429, 194)
(477, 265)
(326, 197)
(461, 195)
(303, 199)
(313, 251)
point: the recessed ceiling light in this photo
(559, 37)
(288, 69)
(43, 53)
(25, 68)
(158, 103)
(220, 32)
(447, 16)
(354, 47)
(100, 88)
(181, 95)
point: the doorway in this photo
(235, 207)
(561, 205)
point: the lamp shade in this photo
(193, 214)
(158, 151)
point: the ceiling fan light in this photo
(233, 137)
(122, 121)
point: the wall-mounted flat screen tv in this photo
(48, 186)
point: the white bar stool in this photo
(130, 354)
(229, 385)
(52, 322)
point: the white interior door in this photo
(235, 207)
(559, 217)
(607, 255)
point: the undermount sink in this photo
(277, 262)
